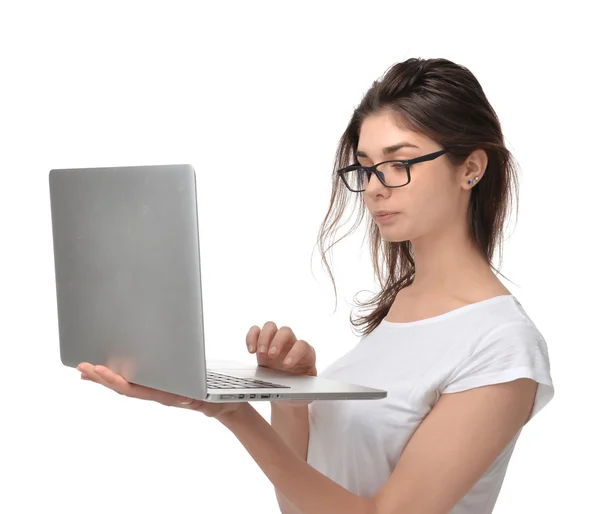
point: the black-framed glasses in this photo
(394, 173)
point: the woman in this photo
(464, 366)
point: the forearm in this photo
(304, 487)
(291, 423)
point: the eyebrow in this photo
(389, 149)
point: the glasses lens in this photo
(393, 173)
(356, 179)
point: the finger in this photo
(300, 349)
(252, 338)
(122, 386)
(111, 380)
(87, 369)
(103, 376)
(284, 336)
(114, 381)
(266, 335)
(188, 403)
(84, 367)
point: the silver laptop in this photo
(129, 291)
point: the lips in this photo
(385, 218)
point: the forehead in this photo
(380, 131)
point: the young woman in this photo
(464, 366)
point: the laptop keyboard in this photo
(219, 381)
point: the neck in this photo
(450, 263)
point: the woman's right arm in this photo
(291, 423)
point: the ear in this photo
(474, 166)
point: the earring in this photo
(474, 180)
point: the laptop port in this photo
(265, 395)
(240, 395)
(252, 396)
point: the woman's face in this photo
(437, 194)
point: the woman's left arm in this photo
(306, 488)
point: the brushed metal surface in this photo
(126, 257)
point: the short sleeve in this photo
(509, 352)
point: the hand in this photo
(104, 376)
(279, 349)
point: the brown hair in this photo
(445, 102)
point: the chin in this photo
(392, 236)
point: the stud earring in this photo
(474, 180)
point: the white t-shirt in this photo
(357, 443)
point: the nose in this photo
(375, 187)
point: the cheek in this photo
(427, 206)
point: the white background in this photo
(255, 95)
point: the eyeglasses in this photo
(392, 174)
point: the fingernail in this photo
(186, 401)
(250, 348)
(288, 360)
(273, 350)
(262, 348)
